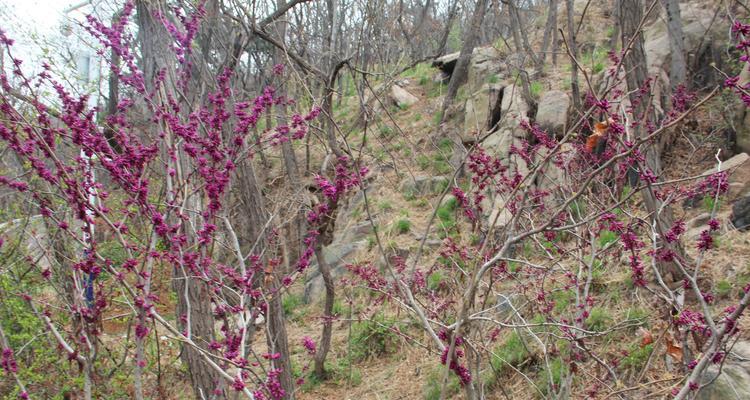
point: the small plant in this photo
(493, 79)
(511, 353)
(434, 280)
(403, 226)
(434, 386)
(374, 338)
(598, 319)
(536, 89)
(606, 237)
(385, 205)
(423, 162)
(637, 356)
(723, 288)
(437, 118)
(290, 303)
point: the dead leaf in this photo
(646, 337)
(674, 349)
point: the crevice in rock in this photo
(496, 111)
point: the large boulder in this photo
(336, 255)
(401, 97)
(741, 213)
(480, 111)
(730, 380)
(552, 114)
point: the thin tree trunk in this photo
(572, 43)
(678, 64)
(325, 338)
(193, 297)
(631, 13)
(461, 71)
(549, 31)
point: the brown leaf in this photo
(674, 349)
(646, 337)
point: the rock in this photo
(736, 175)
(553, 175)
(699, 221)
(513, 108)
(734, 381)
(335, 256)
(485, 62)
(401, 97)
(481, 111)
(552, 114)
(422, 185)
(729, 164)
(741, 213)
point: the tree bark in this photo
(461, 71)
(573, 46)
(325, 338)
(193, 299)
(678, 64)
(549, 30)
(631, 13)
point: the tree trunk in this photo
(573, 47)
(677, 67)
(193, 299)
(631, 13)
(515, 29)
(325, 338)
(549, 30)
(461, 71)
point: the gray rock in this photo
(479, 110)
(401, 97)
(741, 213)
(734, 381)
(699, 220)
(422, 185)
(335, 255)
(552, 114)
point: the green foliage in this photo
(437, 118)
(536, 89)
(637, 356)
(385, 205)
(434, 385)
(403, 226)
(599, 319)
(563, 298)
(435, 279)
(493, 79)
(709, 203)
(374, 338)
(386, 132)
(511, 353)
(446, 214)
(291, 304)
(606, 237)
(554, 372)
(423, 162)
(445, 145)
(723, 288)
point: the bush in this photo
(434, 385)
(374, 338)
(511, 353)
(403, 226)
(599, 319)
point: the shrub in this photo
(403, 226)
(374, 338)
(434, 385)
(598, 319)
(511, 353)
